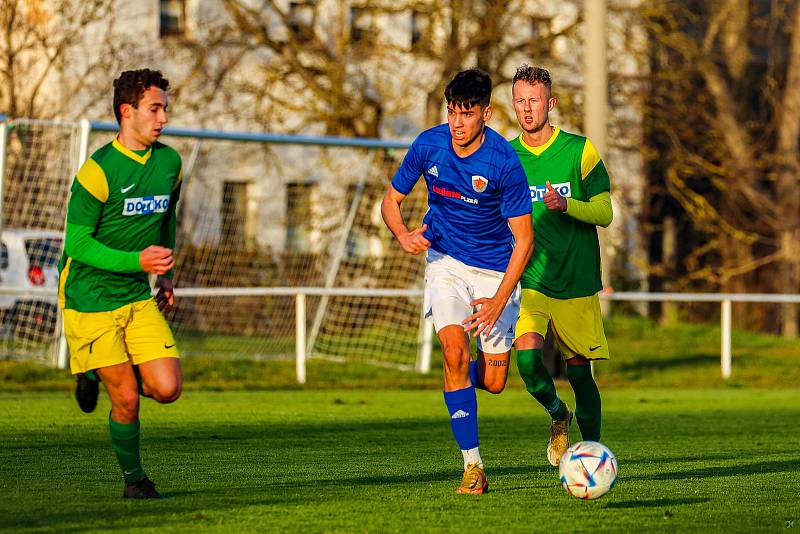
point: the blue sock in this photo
(463, 408)
(474, 375)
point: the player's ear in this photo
(487, 113)
(551, 103)
(125, 111)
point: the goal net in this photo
(294, 216)
(40, 158)
(260, 218)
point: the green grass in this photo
(691, 460)
(643, 355)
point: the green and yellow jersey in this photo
(566, 255)
(122, 201)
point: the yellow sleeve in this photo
(597, 211)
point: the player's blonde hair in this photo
(533, 75)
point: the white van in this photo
(29, 259)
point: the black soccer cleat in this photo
(86, 391)
(141, 489)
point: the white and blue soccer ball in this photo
(588, 470)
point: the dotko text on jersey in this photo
(538, 191)
(146, 205)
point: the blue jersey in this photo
(470, 199)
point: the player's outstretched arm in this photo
(413, 241)
(489, 309)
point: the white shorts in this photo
(450, 286)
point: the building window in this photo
(234, 215)
(420, 30)
(301, 20)
(360, 24)
(173, 17)
(298, 217)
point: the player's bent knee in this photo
(125, 405)
(455, 357)
(166, 393)
(495, 386)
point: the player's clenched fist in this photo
(165, 297)
(414, 242)
(157, 260)
(553, 200)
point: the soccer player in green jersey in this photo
(120, 229)
(570, 191)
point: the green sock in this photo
(539, 383)
(587, 401)
(91, 375)
(125, 440)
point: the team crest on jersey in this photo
(479, 184)
(146, 205)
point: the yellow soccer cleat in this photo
(559, 439)
(474, 480)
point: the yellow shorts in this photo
(577, 323)
(136, 332)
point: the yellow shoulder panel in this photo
(92, 177)
(589, 159)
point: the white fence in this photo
(424, 360)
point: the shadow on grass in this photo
(125, 514)
(729, 471)
(653, 503)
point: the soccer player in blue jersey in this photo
(479, 237)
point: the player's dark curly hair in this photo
(131, 85)
(469, 87)
(533, 75)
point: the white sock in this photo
(472, 456)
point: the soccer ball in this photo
(588, 470)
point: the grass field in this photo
(692, 460)
(363, 448)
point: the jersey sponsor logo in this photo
(538, 191)
(124, 190)
(433, 171)
(460, 414)
(453, 194)
(479, 184)
(146, 205)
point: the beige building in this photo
(282, 71)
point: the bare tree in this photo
(43, 41)
(342, 69)
(724, 113)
